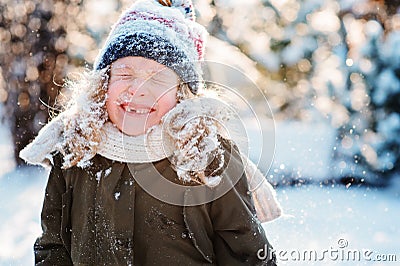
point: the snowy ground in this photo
(21, 197)
(321, 217)
(338, 223)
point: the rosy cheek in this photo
(168, 98)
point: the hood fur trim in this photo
(38, 152)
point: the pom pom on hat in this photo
(185, 6)
(162, 30)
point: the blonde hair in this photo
(85, 115)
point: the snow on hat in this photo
(162, 30)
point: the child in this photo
(141, 174)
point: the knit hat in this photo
(162, 30)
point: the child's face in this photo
(140, 92)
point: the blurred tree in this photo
(42, 40)
(288, 43)
(33, 62)
(368, 144)
(391, 6)
(326, 61)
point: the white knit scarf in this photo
(149, 147)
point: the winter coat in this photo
(101, 216)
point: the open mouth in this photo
(133, 109)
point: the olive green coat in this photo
(101, 216)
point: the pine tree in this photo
(368, 149)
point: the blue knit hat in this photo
(164, 31)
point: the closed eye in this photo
(121, 76)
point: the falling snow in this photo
(107, 172)
(98, 176)
(117, 195)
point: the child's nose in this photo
(138, 87)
